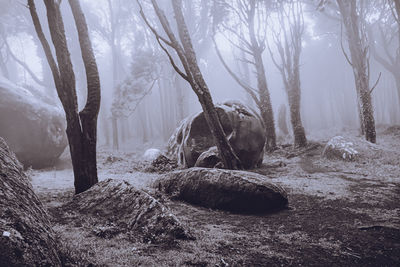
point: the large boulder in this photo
(132, 210)
(26, 237)
(33, 128)
(242, 126)
(236, 191)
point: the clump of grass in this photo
(75, 256)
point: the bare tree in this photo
(288, 41)
(246, 35)
(387, 28)
(82, 126)
(192, 74)
(353, 17)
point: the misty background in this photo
(143, 99)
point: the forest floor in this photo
(340, 213)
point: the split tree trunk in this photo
(81, 127)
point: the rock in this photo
(116, 202)
(33, 129)
(242, 126)
(151, 154)
(209, 158)
(26, 237)
(340, 148)
(236, 191)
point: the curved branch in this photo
(251, 91)
(23, 64)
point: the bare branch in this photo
(45, 44)
(23, 64)
(376, 83)
(341, 45)
(251, 91)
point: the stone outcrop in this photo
(236, 191)
(33, 128)
(26, 237)
(242, 126)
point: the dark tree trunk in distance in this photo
(282, 124)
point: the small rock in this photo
(209, 158)
(340, 148)
(151, 154)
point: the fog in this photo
(120, 37)
(199, 132)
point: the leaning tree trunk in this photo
(229, 158)
(82, 127)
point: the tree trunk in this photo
(282, 120)
(265, 104)
(82, 127)
(359, 62)
(300, 139)
(89, 114)
(3, 67)
(264, 97)
(114, 121)
(397, 79)
(199, 86)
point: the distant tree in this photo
(385, 34)
(192, 74)
(139, 83)
(288, 41)
(354, 20)
(353, 15)
(242, 23)
(82, 126)
(282, 119)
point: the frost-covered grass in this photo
(340, 213)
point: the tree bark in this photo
(264, 97)
(81, 127)
(359, 62)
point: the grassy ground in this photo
(340, 214)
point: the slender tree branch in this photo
(376, 83)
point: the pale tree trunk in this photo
(300, 139)
(359, 61)
(3, 67)
(264, 98)
(81, 127)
